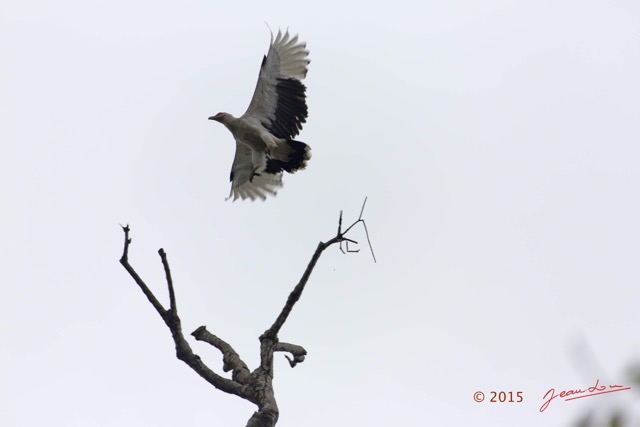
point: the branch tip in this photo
(364, 224)
(340, 237)
(363, 204)
(199, 331)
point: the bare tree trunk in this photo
(256, 386)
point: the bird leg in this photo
(259, 161)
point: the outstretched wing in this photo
(279, 101)
(242, 185)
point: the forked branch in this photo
(255, 386)
(171, 319)
(294, 296)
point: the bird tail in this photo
(289, 156)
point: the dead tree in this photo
(255, 386)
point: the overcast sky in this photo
(497, 142)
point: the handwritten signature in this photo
(579, 393)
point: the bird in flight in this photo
(264, 134)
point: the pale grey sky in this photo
(497, 142)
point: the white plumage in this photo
(264, 133)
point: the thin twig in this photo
(363, 204)
(167, 273)
(359, 220)
(352, 250)
(364, 224)
(145, 289)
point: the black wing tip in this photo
(291, 108)
(300, 154)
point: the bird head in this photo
(218, 117)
